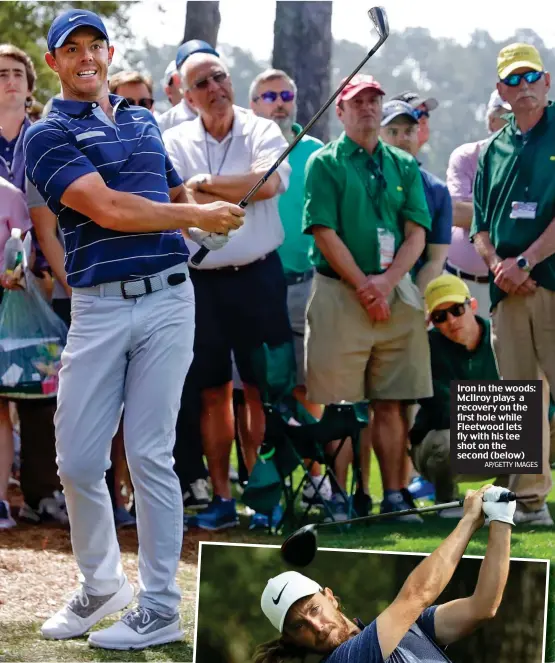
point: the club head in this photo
(300, 547)
(379, 19)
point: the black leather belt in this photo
(292, 278)
(465, 276)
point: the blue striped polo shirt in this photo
(77, 138)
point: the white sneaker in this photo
(6, 520)
(50, 509)
(539, 517)
(137, 629)
(313, 496)
(83, 611)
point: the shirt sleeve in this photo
(268, 146)
(426, 621)
(171, 173)
(34, 199)
(479, 220)
(52, 161)
(321, 203)
(460, 176)
(18, 215)
(415, 208)
(443, 217)
(173, 142)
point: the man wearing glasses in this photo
(460, 349)
(240, 290)
(514, 231)
(422, 109)
(366, 329)
(135, 87)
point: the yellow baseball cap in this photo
(446, 288)
(515, 56)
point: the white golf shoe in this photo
(84, 610)
(139, 628)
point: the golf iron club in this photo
(300, 547)
(379, 20)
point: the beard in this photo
(338, 633)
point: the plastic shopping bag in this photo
(32, 338)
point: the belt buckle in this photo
(130, 296)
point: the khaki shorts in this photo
(351, 358)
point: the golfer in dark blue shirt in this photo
(101, 166)
(410, 630)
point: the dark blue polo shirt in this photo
(417, 646)
(77, 138)
(12, 162)
(441, 211)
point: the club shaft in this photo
(203, 251)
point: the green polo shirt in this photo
(516, 167)
(356, 193)
(296, 246)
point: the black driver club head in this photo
(379, 19)
(300, 547)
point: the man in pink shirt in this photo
(463, 259)
(13, 214)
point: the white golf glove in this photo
(212, 241)
(494, 510)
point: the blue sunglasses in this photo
(418, 113)
(530, 77)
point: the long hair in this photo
(279, 651)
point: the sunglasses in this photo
(271, 96)
(219, 78)
(418, 113)
(456, 310)
(530, 77)
(145, 102)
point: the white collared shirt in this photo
(252, 138)
(175, 116)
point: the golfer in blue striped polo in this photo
(101, 166)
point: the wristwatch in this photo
(523, 263)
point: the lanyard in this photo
(377, 172)
(208, 155)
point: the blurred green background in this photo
(232, 577)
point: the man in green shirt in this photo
(366, 329)
(514, 231)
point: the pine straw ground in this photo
(38, 572)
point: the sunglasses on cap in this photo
(530, 77)
(145, 102)
(418, 113)
(456, 310)
(220, 77)
(270, 96)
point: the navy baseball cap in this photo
(64, 24)
(394, 109)
(190, 47)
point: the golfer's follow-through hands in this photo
(494, 510)
(218, 220)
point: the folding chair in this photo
(293, 435)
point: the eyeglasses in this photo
(145, 102)
(219, 78)
(271, 96)
(418, 113)
(530, 77)
(456, 310)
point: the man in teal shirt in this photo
(273, 95)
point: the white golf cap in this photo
(282, 591)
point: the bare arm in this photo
(462, 214)
(429, 579)
(234, 188)
(338, 255)
(46, 228)
(458, 618)
(436, 254)
(408, 253)
(543, 247)
(486, 250)
(127, 212)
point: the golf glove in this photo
(494, 510)
(212, 241)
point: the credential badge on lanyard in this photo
(386, 244)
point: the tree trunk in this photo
(202, 21)
(302, 48)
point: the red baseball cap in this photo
(357, 84)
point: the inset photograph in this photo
(370, 606)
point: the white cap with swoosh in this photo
(282, 591)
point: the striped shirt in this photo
(77, 138)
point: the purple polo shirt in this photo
(12, 159)
(461, 172)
